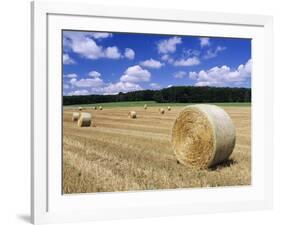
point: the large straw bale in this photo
(169, 108)
(100, 108)
(80, 108)
(161, 111)
(203, 136)
(145, 106)
(84, 120)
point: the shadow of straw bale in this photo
(222, 165)
(226, 163)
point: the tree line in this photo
(178, 94)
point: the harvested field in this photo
(120, 154)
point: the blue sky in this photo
(109, 63)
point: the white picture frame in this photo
(48, 205)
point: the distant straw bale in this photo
(85, 120)
(75, 116)
(132, 115)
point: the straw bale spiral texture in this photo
(133, 115)
(75, 116)
(84, 120)
(203, 136)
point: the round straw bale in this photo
(95, 107)
(84, 120)
(161, 111)
(169, 108)
(100, 107)
(75, 116)
(80, 108)
(145, 106)
(132, 115)
(203, 136)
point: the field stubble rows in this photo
(121, 154)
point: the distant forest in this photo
(178, 94)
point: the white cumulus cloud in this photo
(168, 45)
(204, 42)
(223, 76)
(70, 75)
(84, 44)
(87, 45)
(87, 83)
(192, 61)
(151, 63)
(80, 34)
(112, 53)
(135, 74)
(95, 85)
(87, 48)
(212, 53)
(101, 35)
(94, 74)
(115, 88)
(67, 60)
(129, 53)
(167, 58)
(79, 92)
